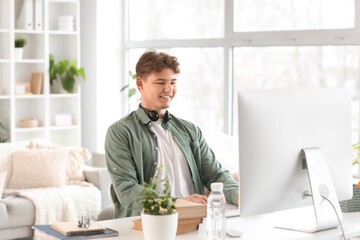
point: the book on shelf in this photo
(187, 209)
(184, 225)
(49, 231)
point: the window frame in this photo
(233, 39)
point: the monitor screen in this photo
(274, 126)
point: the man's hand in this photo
(196, 198)
(237, 201)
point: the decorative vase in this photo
(57, 87)
(160, 227)
(18, 53)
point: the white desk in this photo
(256, 227)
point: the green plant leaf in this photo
(68, 83)
(132, 91)
(82, 73)
(124, 87)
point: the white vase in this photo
(18, 53)
(161, 227)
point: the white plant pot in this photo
(18, 53)
(56, 87)
(161, 227)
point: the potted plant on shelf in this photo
(159, 217)
(19, 48)
(3, 133)
(63, 75)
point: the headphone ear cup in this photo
(153, 115)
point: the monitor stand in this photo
(321, 215)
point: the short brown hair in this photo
(153, 61)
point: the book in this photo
(187, 209)
(184, 225)
(71, 228)
(51, 232)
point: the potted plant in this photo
(19, 48)
(356, 157)
(159, 213)
(63, 75)
(3, 133)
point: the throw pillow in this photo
(38, 168)
(75, 161)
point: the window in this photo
(227, 45)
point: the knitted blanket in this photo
(68, 203)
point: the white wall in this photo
(101, 42)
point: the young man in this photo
(150, 137)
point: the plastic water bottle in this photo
(216, 223)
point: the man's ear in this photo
(139, 83)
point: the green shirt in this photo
(131, 156)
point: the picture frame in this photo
(22, 89)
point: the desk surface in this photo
(255, 227)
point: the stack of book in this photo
(190, 215)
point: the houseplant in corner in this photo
(19, 48)
(63, 75)
(159, 218)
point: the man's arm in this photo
(212, 171)
(122, 169)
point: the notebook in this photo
(2, 182)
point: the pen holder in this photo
(352, 205)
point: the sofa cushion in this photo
(6, 150)
(75, 161)
(16, 212)
(38, 168)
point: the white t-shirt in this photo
(175, 165)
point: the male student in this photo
(151, 137)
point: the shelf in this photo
(63, 1)
(64, 95)
(36, 129)
(30, 96)
(4, 97)
(4, 60)
(4, 30)
(30, 61)
(24, 31)
(55, 32)
(56, 128)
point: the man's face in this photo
(157, 90)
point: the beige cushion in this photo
(75, 161)
(38, 168)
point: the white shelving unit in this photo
(40, 43)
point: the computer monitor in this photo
(274, 127)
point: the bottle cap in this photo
(217, 186)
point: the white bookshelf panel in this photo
(63, 106)
(5, 116)
(4, 45)
(69, 137)
(29, 135)
(4, 79)
(62, 8)
(63, 47)
(30, 108)
(4, 14)
(34, 48)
